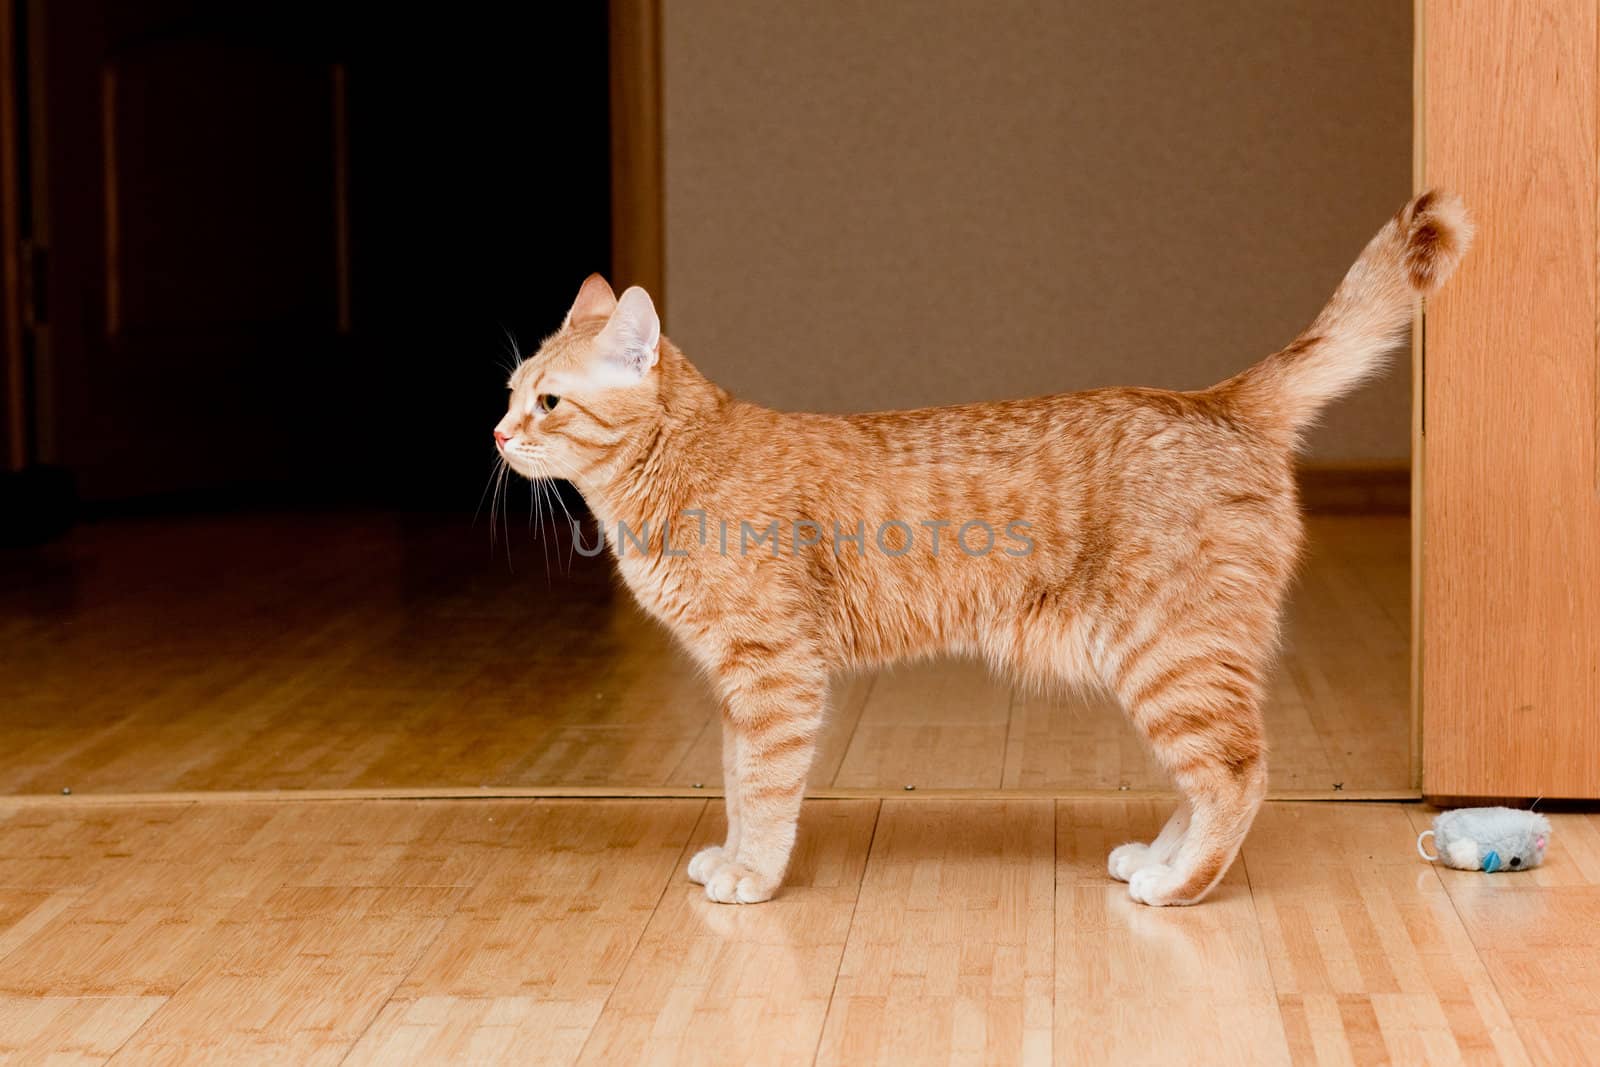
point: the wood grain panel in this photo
(515, 934)
(311, 969)
(1511, 536)
(487, 1030)
(951, 947)
(708, 977)
(69, 1030)
(1369, 959)
(1539, 932)
(1139, 986)
(978, 931)
(99, 945)
(934, 725)
(49, 849)
(1544, 943)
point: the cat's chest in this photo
(662, 591)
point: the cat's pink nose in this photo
(500, 439)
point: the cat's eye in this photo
(547, 402)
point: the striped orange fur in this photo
(1161, 531)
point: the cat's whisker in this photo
(565, 470)
(496, 498)
(494, 502)
(572, 522)
(505, 516)
(497, 506)
(555, 527)
(537, 487)
(513, 350)
(499, 461)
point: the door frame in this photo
(1507, 643)
(1419, 178)
(638, 207)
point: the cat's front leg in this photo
(712, 857)
(771, 719)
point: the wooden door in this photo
(1511, 411)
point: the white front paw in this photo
(706, 862)
(1126, 860)
(730, 882)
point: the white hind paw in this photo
(1152, 885)
(1158, 885)
(1127, 860)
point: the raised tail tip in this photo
(1438, 232)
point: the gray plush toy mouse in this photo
(1488, 839)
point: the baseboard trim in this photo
(1355, 488)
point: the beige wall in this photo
(894, 204)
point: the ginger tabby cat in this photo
(1135, 539)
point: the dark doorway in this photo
(283, 247)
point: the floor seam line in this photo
(1477, 954)
(1055, 918)
(689, 750)
(855, 906)
(1261, 939)
(633, 949)
(167, 1000)
(855, 728)
(1005, 746)
(389, 999)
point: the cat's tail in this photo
(1349, 341)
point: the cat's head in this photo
(590, 389)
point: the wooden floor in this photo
(339, 652)
(912, 931)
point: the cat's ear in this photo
(595, 301)
(630, 344)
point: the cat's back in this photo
(1141, 438)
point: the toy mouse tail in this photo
(1422, 851)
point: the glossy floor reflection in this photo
(337, 652)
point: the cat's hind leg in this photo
(1054, 651)
(1127, 860)
(1224, 801)
(1201, 714)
